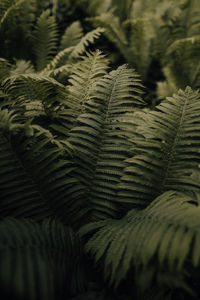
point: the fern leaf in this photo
(87, 39)
(12, 7)
(36, 180)
(181, 63)
(72, 35)
(97, 137)
(5, 68)
(168, 152)
(162, 233)
(36, 255)
(84, 76)
(45, 39)
(29, 91)
(66, 55)
(113, 30)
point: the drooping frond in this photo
(34, 255)
(45, 39)
(72, 35)
(98, 137)
(168, 152)
(165, 234)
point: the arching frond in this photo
(113, 30)
(84, 76)
(72, 35)
(9, 7)
(98, 137)
(87, 39)
(166, 233)
(34, 255)
(168, 152)
(65, 56)
(45, 39)
(33, 88)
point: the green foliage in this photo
(99, 194)
(36, 254)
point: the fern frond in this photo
(87, 39)
(142, 34)
(168, 152)
(113, 30)
(45, 39)
(82, 81)
(5, 68)
(30, 88)
(181, 62)
(13, 5)
(36, 177)
(71, 36)
(65, 56)
(18, 193)
(166, 233)
(98, 137)
(22, 67)
(34, 255)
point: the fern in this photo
(181, 63)
(166, 232)
(97, 137)
(82, 81)
(113, 30)
(36, 255)
(37, 160)
(34, 88)
(45, 39)
(166, 154)
(72, 35)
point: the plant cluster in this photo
(99, 176)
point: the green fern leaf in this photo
(72, 35)
(36, 180)
(163, 233)
(113, 30)
(84, 76)
(45, 39)
(31, 91)
(100, 147)
(168, 152)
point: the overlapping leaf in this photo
(167, 154)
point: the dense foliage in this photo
(100, 149)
